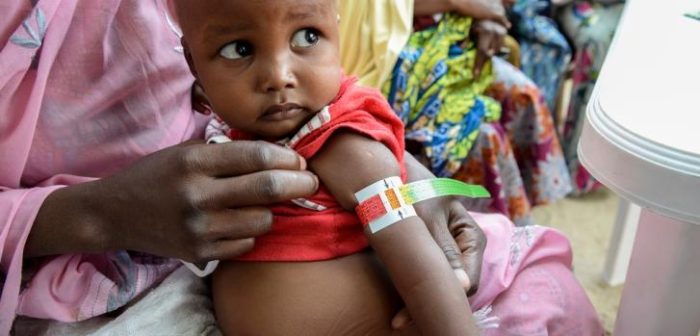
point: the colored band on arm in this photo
(388, 201)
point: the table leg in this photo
(662, 291)
(621, 242)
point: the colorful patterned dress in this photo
(435, 94)
(495, 131)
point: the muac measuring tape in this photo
(388, 201)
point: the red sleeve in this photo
(363, 111)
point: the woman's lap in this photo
(180, 305)
(519, 159)
(491, 163)
(526, 282)
(530, 128)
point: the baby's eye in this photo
(236, 50)
(305, 38)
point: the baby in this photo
(271, 71)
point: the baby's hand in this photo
(489, 40)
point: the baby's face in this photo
(267, 66)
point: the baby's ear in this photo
(188, 57)
(200, 101)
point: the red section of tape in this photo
(371, 209)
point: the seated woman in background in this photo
(544, 30)
(590, 26)
(544, 51)
(517, 156)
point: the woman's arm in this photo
(430, 7)
(178, 202)
(417, 266)
(476, 9)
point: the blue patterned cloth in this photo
(544, 51)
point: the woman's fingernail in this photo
(316, 182)
(463, 278)
(400, 321)
(303, 163)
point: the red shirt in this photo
(301, 234)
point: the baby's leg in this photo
(347, 296)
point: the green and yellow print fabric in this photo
(434, 92)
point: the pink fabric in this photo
(526, 280)
(86, 88)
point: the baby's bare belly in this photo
(347, 296)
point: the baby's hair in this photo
(174, 6)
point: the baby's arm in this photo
(418, 268)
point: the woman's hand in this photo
(489, 37)
(194, 201)
(490, 23)
(454, 230)
(459, 237)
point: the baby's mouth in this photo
(282, 112)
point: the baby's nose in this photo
(277, 76)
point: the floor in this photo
(588, 222)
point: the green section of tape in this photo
(421, 190)
(693, 15)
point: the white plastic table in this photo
(641, 138)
